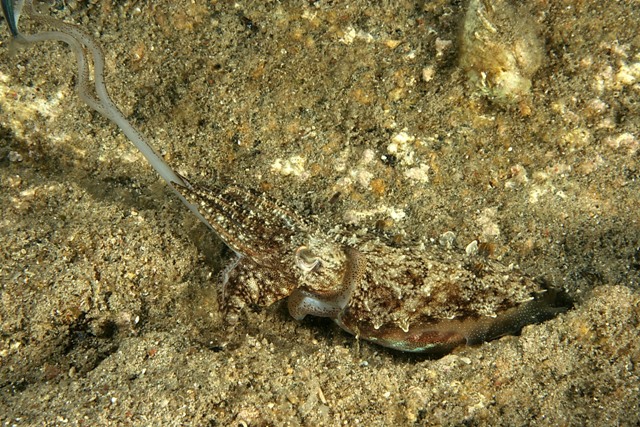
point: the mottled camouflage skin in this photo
(420, 299)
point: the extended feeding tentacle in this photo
(94, 95)
(10, 16)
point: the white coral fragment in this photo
(294, 165)
(500, 49)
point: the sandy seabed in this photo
(371, 117)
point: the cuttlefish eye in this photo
(306, 260)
